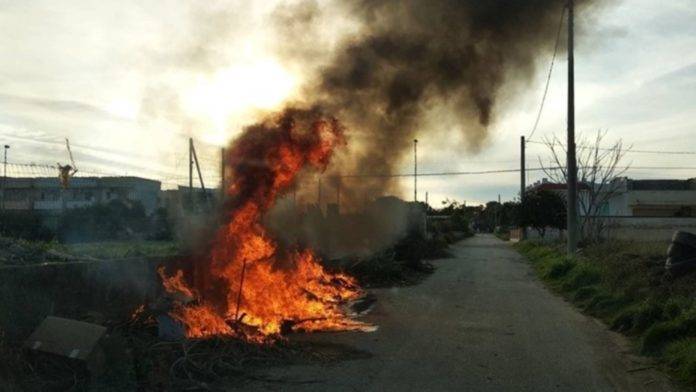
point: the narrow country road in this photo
(481, 322)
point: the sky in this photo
(129, 81)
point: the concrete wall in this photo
(627, 228)
(44, 194)
(646, 228)
(624, 204)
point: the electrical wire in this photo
(548, 78)
(658, 152)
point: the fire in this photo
(247, 280)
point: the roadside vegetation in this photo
(407, 261)
(15, 252)
(116, 230)
(624, 284)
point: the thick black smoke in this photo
(413, 56)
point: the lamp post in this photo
(415, 170)
(4, 177)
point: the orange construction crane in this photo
(65, 172)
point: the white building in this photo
(45, 195)
(652, 198)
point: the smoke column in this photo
(411, 57)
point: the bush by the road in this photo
(624, 284)
(25, 225)
(405, 263)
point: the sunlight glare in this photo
(240, 90)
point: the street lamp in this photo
(4, 177)
(415, 170)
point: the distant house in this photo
(45, 195)
(639, 198)
(561, 189)
(652, 198)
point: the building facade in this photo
(652, 198)
(45, 195)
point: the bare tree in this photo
(598, 171)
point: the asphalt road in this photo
(481, 322)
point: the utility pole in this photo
(426, 199)
(4, 177)
(523, 180)
(198, 170)
(523, 173)
(572, 169)
(415, 170)
(190, 190)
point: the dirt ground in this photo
(482, 322)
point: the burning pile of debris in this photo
(233, 303)
(246, 284)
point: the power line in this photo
(659, 152)
(501, 171)
(548, 78)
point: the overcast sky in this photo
(128, 82)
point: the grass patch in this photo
(405, 263)
(681, 357)
(23, 252)
(124, 249)
(624, 284)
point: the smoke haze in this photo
(412, 58)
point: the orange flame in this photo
(246, 279)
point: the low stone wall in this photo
(646, 229)
(626, 228)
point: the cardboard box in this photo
(71, 339)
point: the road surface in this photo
(481, 322)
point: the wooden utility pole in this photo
(190, 190)
(198, 170)
(4, 176)
(523, 173)
(193, 160)
(572, 170)
(415, 170)
(523, 180)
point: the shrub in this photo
(681, 356)
(27, 225)
(112, 221)
(560, 269)
(624, 320)
(660, 334)
(648, 313)
(585, 293)
(584, 274)
(604, 303)
(675, 306)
